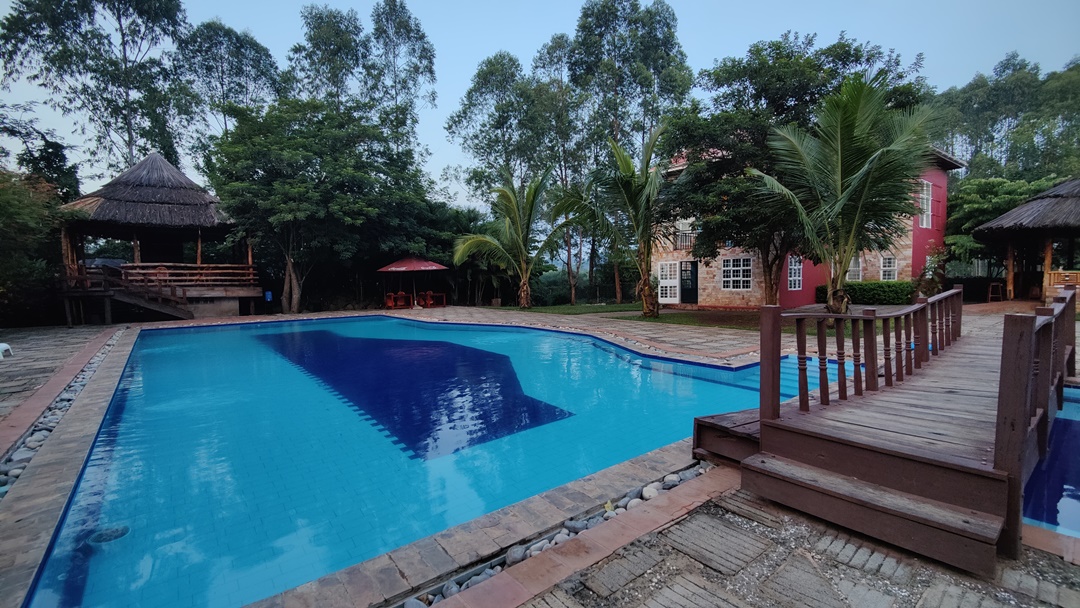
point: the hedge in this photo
(877, 293)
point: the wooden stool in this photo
(994, 292)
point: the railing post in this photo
(935, 321)
(841, 366)
(922, 332)
(1070, 333)
(856, 356)
(870, 347)
(958, 304)
(887, 345)
(1013, 418)
(823, 361)
(804, 384)
(769, 399)
(909, 346)
(898, 327)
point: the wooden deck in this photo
(934, 462)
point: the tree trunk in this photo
(773, 275)
(650, 307)
(837, 301)
(286, 289)
(524, 294)
(618, 282)
(297, 286)
(571, 276)
(592, 269)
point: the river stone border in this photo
(24, 450)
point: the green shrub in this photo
(875, 293)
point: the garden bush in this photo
(876, 293)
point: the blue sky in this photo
(957, 37)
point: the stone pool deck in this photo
(645, 557)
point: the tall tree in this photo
(849, 178)
(330, 63)
(489, 125)
(516, 243)
(402, 68)
(105, 62)
(225, 67)
(303, 176)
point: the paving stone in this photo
(864, 596)
(943, 594)
(1048, 592)
(749, 506)
(689, 591)
(621, 570)
(716, 544)
(555, 599)
(799, 583)
(861, 557)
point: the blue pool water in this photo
(235, 462)
(1052, 495)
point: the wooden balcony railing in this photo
(191, 275)
(1060, 278)
(909, 337)
(1037, 353)
(96, 280)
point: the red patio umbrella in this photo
(412, 264)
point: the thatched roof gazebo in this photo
(159, 210)
(1049, 217)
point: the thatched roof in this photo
(1056, 210)
(152, 193)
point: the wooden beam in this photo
(135, 246)
(769, 397)
(198, 248)
(1048, 262)
(1010, 272)
(250, 258)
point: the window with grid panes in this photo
(888, 267)
(926, 190)
(737, 273)
(794, 273)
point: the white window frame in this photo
(980, 268)
(668, 282)
(737, 274)
(892, 267)
(926, 201)
(794, 273)
(854, 267)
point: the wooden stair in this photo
(145, 301)
(963, 537)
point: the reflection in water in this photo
(433, 397)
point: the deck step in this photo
(961, 537)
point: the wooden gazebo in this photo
(159, 210)
(1031, 232)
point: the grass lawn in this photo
(728, 319)
(579, 309)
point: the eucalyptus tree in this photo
(516, 242)
(489, 125)
(849, 178)
(330, 63)
(107, 64)
(225, 67)
(401, 68)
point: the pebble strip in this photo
(29, 445)
(570, 529)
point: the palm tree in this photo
(515, 243)
(630, 193)
(850, 179)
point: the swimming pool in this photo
(1052, 494)
(235, 462)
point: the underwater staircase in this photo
(932, 461)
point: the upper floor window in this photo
(794, 273)
(854, 271)
(684, 240)
(888, 267)
(925, 196)
(737, 273)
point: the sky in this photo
(957, 37)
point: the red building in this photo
(735, 279)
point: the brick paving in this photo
(39, 352)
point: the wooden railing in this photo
(909, 337)
(191, 275)
(1037, 353)
(1063, 277)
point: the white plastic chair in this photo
(5, 347)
